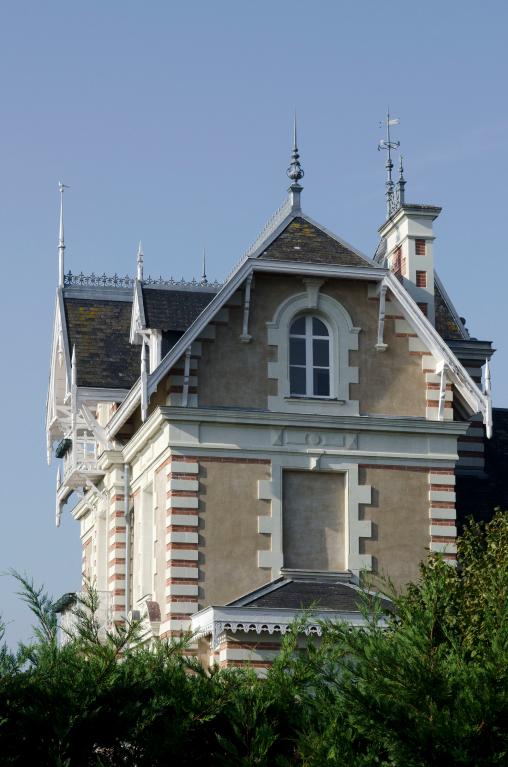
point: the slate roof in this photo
(99, 328)
(302, 241)
(305, 594)
(446, 324)
(173, 309)
(380, 254)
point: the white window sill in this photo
(307, 398)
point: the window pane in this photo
(318, 328)
(321, 383)
(297, 380)
(297, 351)
(298, 327)
(321, 352)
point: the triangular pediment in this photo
(302, 240)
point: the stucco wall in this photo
(400, 521)
(390, 382)
(234, 374)
(228, 530)
(313, 520)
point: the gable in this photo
(303, 241)
(232, 373)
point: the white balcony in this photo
(80, 461)
(67, 620)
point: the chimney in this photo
(409, 251)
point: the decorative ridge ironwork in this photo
(270, 226)
(116, 281)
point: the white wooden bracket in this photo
(98, 431)
(380, 345)
(186, 377)
(441, 367)
(74, 394)
(58, 509)
(144, 380)
(487, 416)
(245, 337)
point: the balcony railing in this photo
(81, 458)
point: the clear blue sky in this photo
(171, 123)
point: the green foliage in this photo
(425, 683)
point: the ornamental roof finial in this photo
(139, 263)
(295, 173)
(204, 280)
(61, 239)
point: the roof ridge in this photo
(104, 280)
(271, 225)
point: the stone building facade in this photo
(238, 452)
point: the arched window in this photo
(309, 357)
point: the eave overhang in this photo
(472, 349)
(216, 620)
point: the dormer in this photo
(409, 237)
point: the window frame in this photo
(420, 246)
(309, 366)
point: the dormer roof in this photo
(173, 309)
(98, 328)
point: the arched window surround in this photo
(343, 339)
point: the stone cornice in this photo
(145, 433)
(352, 423)
(110, 458)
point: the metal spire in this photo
(61, 239)
(401, 184)
(388, 144)
(139, 263)
(204, 280)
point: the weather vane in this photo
(389, 144)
